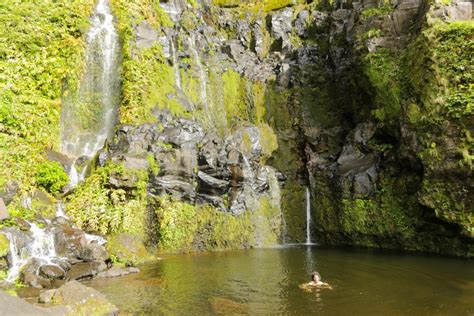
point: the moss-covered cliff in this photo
(369, 104)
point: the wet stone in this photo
(51, 272)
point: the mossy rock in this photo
(128, 249)
(4, 245)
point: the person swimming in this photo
(315, 282)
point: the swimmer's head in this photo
(315, 276)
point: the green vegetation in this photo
(4, 245)
(41, 46)
(51, 176)
(148, 80)
(382, 69)
(387, 215)
(255, 5)
(97, 205)
(377, 11)
(184, 227)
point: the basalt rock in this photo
(196, 167)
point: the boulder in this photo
(211, 185)
(78, 299)
(34, 280)
(281, 25)
(85, 270)
(146, 35)
(10, 305)
(93, 252)
(10, 190)
(117, 272)
(127, 248)
(50, 271)
(301, 23)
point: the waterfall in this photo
(308, 216)
(60, 210)
(175, 64)
(41, 248)
(173, 8)
(202, 73)
(88, 116)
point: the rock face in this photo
(340, 92)
(230, 111)
(201, 168)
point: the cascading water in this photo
(202, 73)
(88, 116)
(308, 216)
(41, 248)
(175, 65)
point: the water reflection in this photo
(265, 281)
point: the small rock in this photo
(51, 271)
(22, 224)
(46, 296)
(31, 279)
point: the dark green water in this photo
(265, 281)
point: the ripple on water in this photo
(265, 281)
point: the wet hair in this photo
(314, 275)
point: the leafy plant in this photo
(51, 176)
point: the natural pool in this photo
(265, 281)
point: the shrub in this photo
(51, 176)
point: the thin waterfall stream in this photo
(308, 217)
(88, 117)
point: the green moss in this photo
(387, 216)
(255, 5)
(446, 204)
(258, 98)
(3, 275)
(4, 245)
(154, 166)
(382, 69)
(148, 80)
(148, 83)
(96, 205)
(185, 227)
(177, 222)
(234, 97)
(51, 176)
(268, 139)
(377, 11)
(127, 249)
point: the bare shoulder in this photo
(324, 285)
